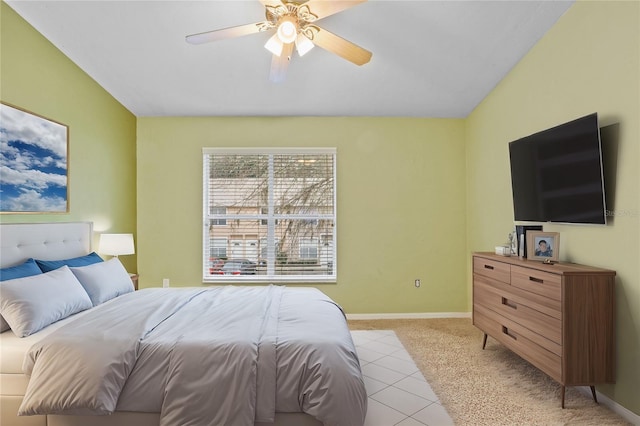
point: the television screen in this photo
(556, 174)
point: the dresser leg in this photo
(484, 341)
(563, 389)
(593, 392)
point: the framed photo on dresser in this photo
(544, 246)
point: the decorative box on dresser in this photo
(559, 317)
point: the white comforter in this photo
(216, 356)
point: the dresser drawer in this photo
(489, 268)
(519, 311)
(543, 304)
(538, 282)
(517, 340)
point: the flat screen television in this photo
(557, 176)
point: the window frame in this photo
(271, 276)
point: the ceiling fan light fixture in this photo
(293, 22)
(274, 45)
(303, 44)
(287, 29)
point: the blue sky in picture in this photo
(33, 163)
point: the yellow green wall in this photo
(588, 62)
(401, 203)
(36, 76)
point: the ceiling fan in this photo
(294, 24)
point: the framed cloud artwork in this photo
(34, 167)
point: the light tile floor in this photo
(398, 393)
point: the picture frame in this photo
(35, 163)
(544, 246)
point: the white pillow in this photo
(104, 280)
(31, 303)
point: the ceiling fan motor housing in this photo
(288, 28)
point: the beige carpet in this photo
(490, 387)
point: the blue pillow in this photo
(50, 265)
(26, 269)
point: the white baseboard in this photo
(416, 315)
(603, 399)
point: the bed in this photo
(204, 355)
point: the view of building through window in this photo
(269, 215)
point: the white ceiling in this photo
(430, 58)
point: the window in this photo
(309, 248)
(265, 211)
(215, 211)
(279, 209)
(218, 248)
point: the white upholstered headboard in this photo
(46, 241)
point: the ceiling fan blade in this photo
(230, 32)
(279, 64)
(272, 3)
(324, 8)
(341, 47)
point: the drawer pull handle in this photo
(536, 280)
(509, 303)
(509, 333)
(488, 267)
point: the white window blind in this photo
(279, 214)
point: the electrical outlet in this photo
(417, 283)
(165, 282)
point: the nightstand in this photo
(134, 280)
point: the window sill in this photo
(266, 281)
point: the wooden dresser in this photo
(560, 317)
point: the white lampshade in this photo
(116, 244)
(303, 44)
(274, 45)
